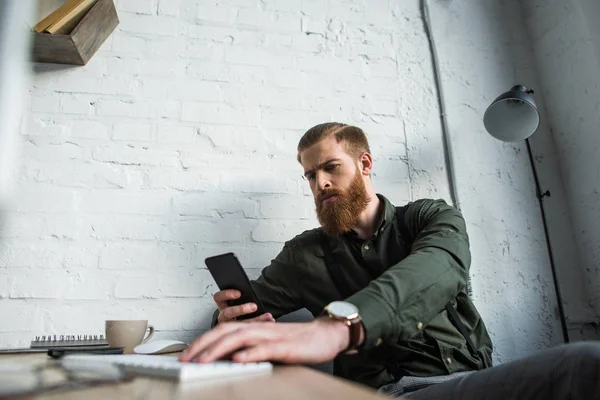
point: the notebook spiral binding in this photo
(50, 341)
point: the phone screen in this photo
(228, 273)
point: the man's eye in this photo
(331, 167)
(310, 177)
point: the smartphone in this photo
(228, 273)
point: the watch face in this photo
(342, 309)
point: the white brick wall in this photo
(177, 142)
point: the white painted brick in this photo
(256, 182)
(44, 102)
(170, 68)
(36, 125)
(124, 227)
(42, 284)
(40, 150)
(286, 207)
(88, 129)
(172, 8)
(215, 205)
(129, 155)
(221, 231)
(218, 113)
(176, 134)
(85, 318)
(90, 286)
(21, 226)
(290, 119)
(221, 14)
(269, 20)
(129, 45)
(174, 178)
(18, 317)
(65, 227)
(146, 256)
(78, 103)
(5, 281)
(147, 7)
(150, 25)
(291, 6)
(79, 257)
(133, 131)
(20, 254)
(279, 231)
(118, 108)
(89, 175)
(204, 50)
(225, 34)
(124, 65)
(194, 91)
(186, 284)
(125, 203)
(43, 200)
(256, 56)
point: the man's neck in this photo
(369, 218)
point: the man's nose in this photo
(323, 181)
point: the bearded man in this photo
(386, 286)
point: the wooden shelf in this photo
(82, 43)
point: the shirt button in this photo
(378, 341)
(449, 360)
(420, 326)
(366, 247)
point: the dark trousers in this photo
(570, 371)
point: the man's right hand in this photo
(230, 313)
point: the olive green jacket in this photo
(402, 299)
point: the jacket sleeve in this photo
(400, 302)
(278, 287)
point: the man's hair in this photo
(353, 137)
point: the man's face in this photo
(337, 184)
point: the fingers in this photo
(266, 317)
(206, 339)
(237, 340)
(221, 297)
(230, 313)
(270, 351)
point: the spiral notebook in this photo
(65, 341)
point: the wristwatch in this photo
(348, 313)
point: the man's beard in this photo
(340, 215)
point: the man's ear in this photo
(366, 164)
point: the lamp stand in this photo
(540, 196)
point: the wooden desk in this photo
(285, 382)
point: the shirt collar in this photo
(385, 217)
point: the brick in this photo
(40, 285)
(218, 113)
(124, 65)
(291, 6)
(194, 91)
(88, 129)
(163, 68)
(131, 155)
(78, 257)
(43, 200)
(21, 226)
(117, 108)
(221, 231)
(280, 231)
(173, 8)
(225, 34)
(286, 207)
(5, 282)
(264, 20)
(256, 182)
(77, 318)
(176, 134)
(44, 102)
(20, 254)
(89, 175)
(124, 227)
(289, 119)
(63, 226)
(185, 181)
(18, 317)
(221, 14)
(149, 25)
(147, 7)
(41, 150)
(90, 286)
(35, 125)
(204, 50)
(215, 205)
(256, 56)
(146, 256)
(78, 103)
(133, 131)
(185, 284)
(125, 203)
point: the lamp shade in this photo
(513, 116)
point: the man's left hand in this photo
(293, 343)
